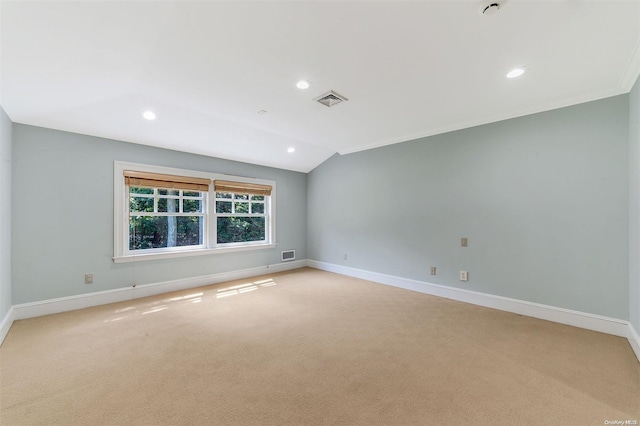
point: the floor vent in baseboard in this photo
(288, 255)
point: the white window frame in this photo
(121, 250)
(215, 215)
(156, 198)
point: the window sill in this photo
(188, 253)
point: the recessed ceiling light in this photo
(302, 84)
(149, 115)
(290, 150)
(516, 72)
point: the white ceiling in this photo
(409, 69)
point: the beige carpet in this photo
(311, 348)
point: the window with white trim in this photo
(241, 212)
(164, 212)
(164, 218)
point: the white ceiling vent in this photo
(330, 98)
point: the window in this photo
(161, 218)
(162, 212)
(241, 212)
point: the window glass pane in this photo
(257, 197)
(138, 190)
(223, 206)
(257, 207)
(140, 204)
(240, 229)
(191, 194)
(189, 230)
(224, 195)
(170, 205)
(190, 206)
(242, 207)
(147, 232)
(242, 196)
(169, 191)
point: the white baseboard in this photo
(551, 313)
(634, 340)
(594, 322)
(81, 301)
(6, 323)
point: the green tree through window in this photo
(161, 218)
(240, 217)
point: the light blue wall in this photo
(63, 215)
(634, 206)
(543, 200)
(5, 213)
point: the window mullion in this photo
(155, 200)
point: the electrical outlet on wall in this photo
(463, 242)
(433, 270)
(88, 278)
(464, 276)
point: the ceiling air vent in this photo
(330, 99)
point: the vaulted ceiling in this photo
(221, 76)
